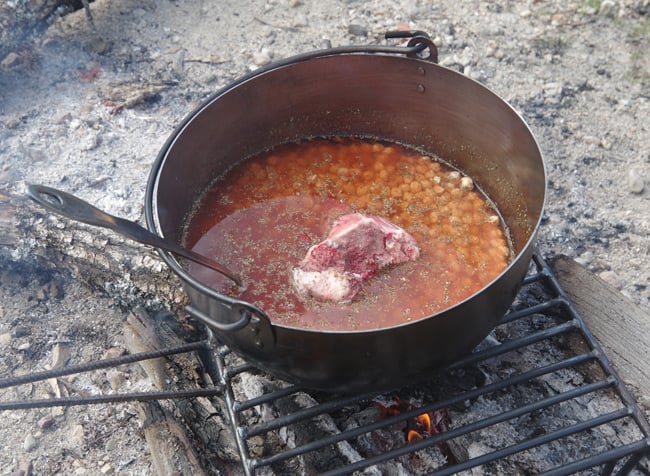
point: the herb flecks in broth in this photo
(265, 213)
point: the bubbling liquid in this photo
(262, 216)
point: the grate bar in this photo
(536, 309)
(538, 441)
(514, 344)
(353, 433)
(336, 404)
(533, 278)
(306, 413)
(97, 399)
(478, 425)
(231, 372)
(636, 449)
(275, 395)
(100, 364)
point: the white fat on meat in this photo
(357, 247)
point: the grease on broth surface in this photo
(262, 216)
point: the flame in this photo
(424, 421)
(421, 426)
(413, 435)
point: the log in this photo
(169, 445)
(199, 421)
(131, 274)
(621, 327)
(20, 19)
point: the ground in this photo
(87, 109)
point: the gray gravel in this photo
(87, 111)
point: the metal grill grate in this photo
(541, 381)
(527, 378)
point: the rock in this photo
(76, 437)
(262, 57)
(46, 422)
(635, 181)
(610, 278)
(10, 61)
(116, 379)
(608, 8)
(21, 331)
(60, 355)
(107, 469)
(24, 469)
(585, 258)
(5, 339)
(357, 30)
(30, 443)
(114, 352)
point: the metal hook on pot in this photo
(418, 39)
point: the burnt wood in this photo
(130, 273)
(195, 430)
(621, 327)
(19, 20)
(167, 439)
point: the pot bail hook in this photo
(419, 42)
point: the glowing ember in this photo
(423, 425)
(412, 436)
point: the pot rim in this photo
(153, 223)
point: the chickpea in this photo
(457, 230)
(466, 183)
(415, 186)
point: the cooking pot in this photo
(395, 93)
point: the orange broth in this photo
(262, 216)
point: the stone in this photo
(11, 60)
(76, 437)
(30, 443)
(5, 339)
(608, 8)
(635, 181)
(46, 422)
(107, 469)
(585, 258)
(610, 278)
(262, 57)
(357, 30)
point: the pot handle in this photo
(419, 43)
(256, 323)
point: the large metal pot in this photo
(368, 93)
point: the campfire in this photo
(537, 395)
(524, 402)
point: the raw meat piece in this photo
(357, 247)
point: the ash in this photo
(481, 423)
(87, 109)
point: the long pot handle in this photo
(257, 325)
(77, 209)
